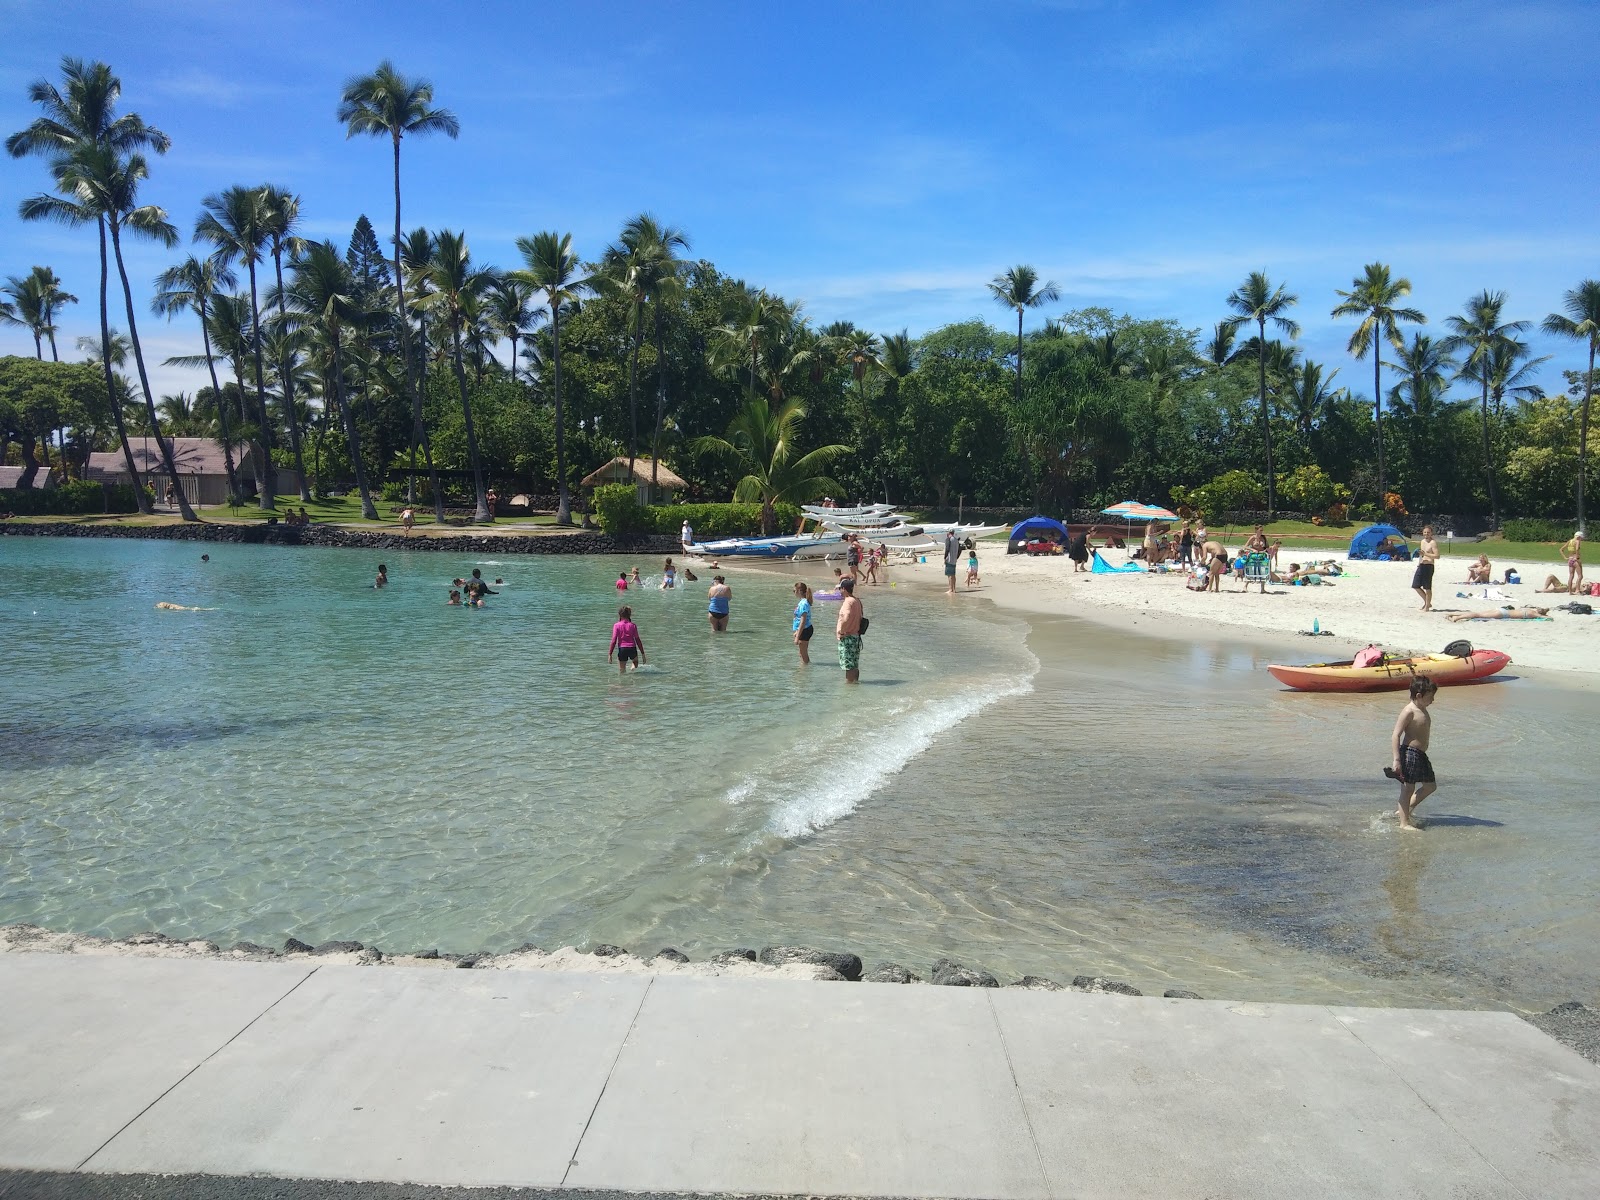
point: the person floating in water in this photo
(455, 599)
(626, 644)
(1409, 743)
(382, 580)
(720, 599)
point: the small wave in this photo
(741, 791)
(843, 791)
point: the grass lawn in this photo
(344, 510)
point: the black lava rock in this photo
(672, 955)
(952, 974)
(829, 975)
(723, 956)
(339, 948)
(296, 946)
(1181, 994)
(890, 973)
(466, 962)
(1574, 1026)
(607, 950)
(146, 939)
(1099, 985)
(251, 948)
(1039, 983)
(848, 965)
(429, 954)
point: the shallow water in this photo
(319, 759)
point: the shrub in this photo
(1233, 492)
(78, 498)
(1531, 529)
(617, 505)
(620, 513)
(392, 492)
(1307, 489)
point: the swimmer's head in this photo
(497, 579)
(1423, 686)
(205, 558)
(624, 613)
(848, 584)
(382, 570)
(719, 579)
(622, 574)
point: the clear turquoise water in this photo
(1051, 797)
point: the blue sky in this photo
(881, 162)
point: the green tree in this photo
(321, 298)
(387, 104)
(763, 440)
(192, 286)
(552, 267)
(1581, 322)
(1019, 288)
(282, 218)
(1480, 332)
(455, 283)
(1257, 300)
(1373, 296)
(35, 299)
(96, 160)
(511, 311)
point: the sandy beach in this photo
(1373, 603)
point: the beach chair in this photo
(1257, 568)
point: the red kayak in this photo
(1392, 674)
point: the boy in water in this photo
(1410, 745)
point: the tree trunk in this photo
(1019, 360)
(141, 497)
(38, 346)
(1488, 460)
(222, 408)
(419, 426)
(286, 377)
(563, 504)
(351, 432)
(144, 380)
(633, 389)
(54, 357)
(266, 471)
(661, 402)
(1583, 435)
(1377, 417)
(481, 513)
(1266, 417)
(30, 461)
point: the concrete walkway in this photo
(680, 1084)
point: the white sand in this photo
(1373, 604)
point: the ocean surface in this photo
(316, 758)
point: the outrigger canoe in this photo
(1393, 673)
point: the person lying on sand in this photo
(171, 607)
(1503, 614)
(1552, 584)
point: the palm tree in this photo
(387, 104)
(192, 286)
(35, 298)
(1373, 297)
(454, 283)
(235, 222)
(282, 211)
(552, 268)
(1219, 350)
(761, 439)
(1425, 366)
(511, 312)
(1311, 396)
(1019, 288)
(1581, 321)
(739, 339)
(322, 299)
(78, 117)
(416, 252)
(1257, 300)
(1479, 333)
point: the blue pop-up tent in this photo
(1365, 544)
(1036, 528)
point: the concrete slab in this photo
(475, 1078)
(1161, 1098)
(819, 1089)
(86, 1043)
(1528, 1104)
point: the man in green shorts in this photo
(952, 556)
(848, 630)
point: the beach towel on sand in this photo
(1102, 567)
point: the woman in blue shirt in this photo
(802, 622)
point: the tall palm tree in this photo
(738, 340)
(1425, 367)
(387, 104)
(1311, 396)
(282, 217)
(1257, 300)
(762, 440)
(1478, 333)
(454, 284)
(1019, 288)
(81, 116)
(663, 285)
(1581, 322)
(416, 252)
(511, 311)
(192, 286)
(35, 299)
(235, 223)
(321, 298)
(552, 268)
(1374, 296)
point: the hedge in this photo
(73, 499)
(1532, 529)
(617, 505)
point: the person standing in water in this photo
(1422, 578)
(669, 576)
(848, 631)
(952, 556)
(719, 598)
(382, 580)
(626, 644)
(1409, 744)
(622, 581)
(802, 621)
